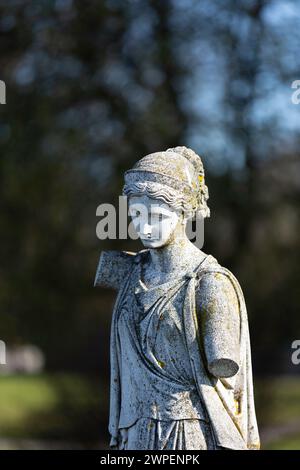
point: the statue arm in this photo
(219, 323)
(113, 268)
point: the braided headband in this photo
(136, 176)
(178, 183)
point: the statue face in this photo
(154, 221)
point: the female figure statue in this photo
(181, 374)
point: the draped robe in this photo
(163, 394)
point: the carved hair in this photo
(192, 201)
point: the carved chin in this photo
(149, 243)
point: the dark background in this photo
(91, 87)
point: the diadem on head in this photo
(175, 176)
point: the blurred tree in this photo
(92, 87)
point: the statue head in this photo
(165, 189)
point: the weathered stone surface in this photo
(181, 373)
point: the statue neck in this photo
(179, 255)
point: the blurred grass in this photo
(278, 400)
(52, 406)
(288, 443)
(278, 411)
(71, 407)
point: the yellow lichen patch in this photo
(237, 406)
(254, 446)
(218, 276)
(161, 364)
(150, 425)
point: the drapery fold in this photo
(234, 426)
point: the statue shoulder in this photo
(114, 266)
(217, 286)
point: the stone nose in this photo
(146, 229)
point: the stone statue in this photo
(181, 374)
